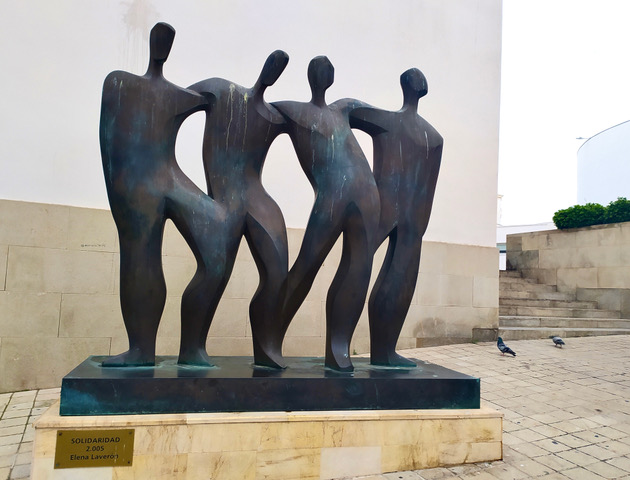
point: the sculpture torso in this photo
(240, 128)
(140, 117)
(407, 154)
(326, 148)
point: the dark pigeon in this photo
(504, 348)
(558, 342)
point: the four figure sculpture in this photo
(140, 118)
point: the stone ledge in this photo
(281, 445)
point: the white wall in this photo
(604, 166)
(55, 56)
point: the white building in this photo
(603, 166)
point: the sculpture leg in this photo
(319, 238)
(346, 296)
(390, 298)
(201, 220)
(268, 245)
(142, 288)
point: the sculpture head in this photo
(161, 41)
(414, 83)
(321, 74)
(273, 67)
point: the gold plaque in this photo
(94, 448)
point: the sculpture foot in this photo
(392, 360)
(341, 365)
(198, 357)
(131, 358)
(271, 360)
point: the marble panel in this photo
(276, 436)
(485, 292)
(304, 347)
(408, 457)
(485, 451)
(97, 315)
(230, 319)
(243, 281)
(529, 241)
(229, 346)
(554, 240)
(289, 464)
(42, 469)
(161, 467)
(308, 321)
(239, 465)
(52, 270)
(568, 279)
(559, 258)
(91, 229)
(226, 437)
(353, 434)
(612, 277)
(433, 256)
(19, 356)
(178, 272)
(606, 256)
(349, 462)
(25, 314)
(33, 224)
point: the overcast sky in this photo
(565, 74)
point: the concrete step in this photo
(536, 295)
(517, 280)
(510, 273)
(526, 287)
(545, 302)
(557, 312)
(563, 322)
(523, 333)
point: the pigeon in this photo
(558, 342)
(504, 348)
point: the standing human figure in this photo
(407, 155)
(140, 118)
(346, 202)
(240, 128)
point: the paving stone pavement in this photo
(567, 411)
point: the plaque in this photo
(94, 448)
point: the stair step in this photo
(510, 274)
(526, 287)
(556, 312)
(562, 322)
(545, 303)
(517, 280)
(518, 333)
(537, 295)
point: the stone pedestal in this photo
(279, 445)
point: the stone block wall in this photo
(591, 262)
(59, 281)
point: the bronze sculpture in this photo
(240, 127)
(407, 155)
(140, 117)
(346, 202)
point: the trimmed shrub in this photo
(618, 211)
(580, 216)
(593, 214)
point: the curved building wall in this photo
(604, 166)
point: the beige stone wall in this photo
(59, 295)
(596, 257)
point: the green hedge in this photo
(593, 214)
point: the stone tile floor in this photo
(567, 411)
